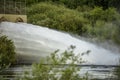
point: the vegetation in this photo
(57, 17)
(93, 22)
(55, 67)
(103, 23)
(73, 4)
(7, 52)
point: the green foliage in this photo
(7, 52)
(57, 17)
(102, 24)
(73, 4)
(54, 67)
(102, 30)
(84, 8)
(94, 22)
(116, 36)
(1, 78)
(107, 15)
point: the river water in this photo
(33, 42)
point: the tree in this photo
(57, 66)
(7, 52)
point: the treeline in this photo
(75, 3)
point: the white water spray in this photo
(33, 42)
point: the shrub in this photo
(55, 67)
(7, 52)
(56, 17)
(94, 22)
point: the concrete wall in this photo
(13, 18)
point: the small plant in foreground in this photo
(57, 66)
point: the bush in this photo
(116, 36)
(55, 67)
(56, 17)
(103, 24)
(7, 52)
(102, 30)
(107, 15)
(94, 22)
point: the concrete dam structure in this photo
(13, 11)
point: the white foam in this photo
(39, 41)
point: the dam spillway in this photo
(33, 42)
